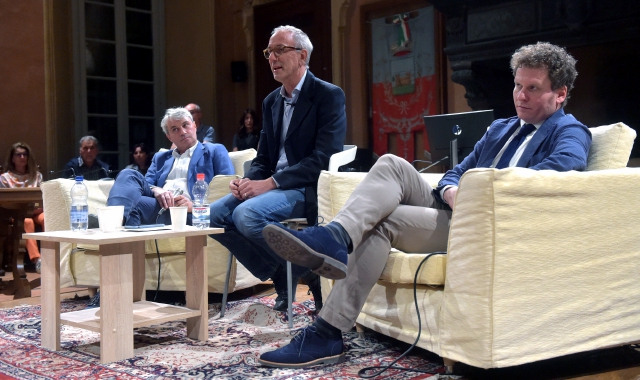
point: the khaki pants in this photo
(392, 207)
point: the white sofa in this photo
(540, 264)
(80, 265)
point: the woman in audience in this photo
(23, 172)
(249, 134)
(141, 158)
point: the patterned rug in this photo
(249, 328)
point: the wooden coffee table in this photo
(122, 293)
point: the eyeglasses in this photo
(21, 155)
(278, 50)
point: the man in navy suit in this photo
(394, 207)
(304, 124)
(170, 171)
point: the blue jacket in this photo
(561, 143)
(98, 170)
(210, 159)
(316, 131)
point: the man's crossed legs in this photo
(392, 207)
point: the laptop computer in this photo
(454, 135)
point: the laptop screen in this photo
(465, 127)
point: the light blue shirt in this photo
(289, 105)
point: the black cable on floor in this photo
(362, 372)
(159, 264)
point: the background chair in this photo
(336, 160)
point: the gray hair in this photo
(300, 37)
(177, 113)
(560, 65)
(90, 139)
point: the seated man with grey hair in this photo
(170, 172)
(87, 165)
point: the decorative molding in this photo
(50, 94)
(463, 74)
(341, 38)
(482, 35)
(247, 27)
(505, 21)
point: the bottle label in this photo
(201, 216)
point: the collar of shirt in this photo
(189, 152)
(518, 154)
(296, 91)
(522, 122)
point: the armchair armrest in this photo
(334, 188)
(541, 257)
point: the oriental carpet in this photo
(249, 328)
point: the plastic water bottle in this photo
(201, 213)
(79, 206)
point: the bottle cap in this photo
(200, 176)
(79, 178)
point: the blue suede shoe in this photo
(312, 248)
(305, 350)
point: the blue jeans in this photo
(140, 206)
(244, 221)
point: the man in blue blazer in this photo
(170, 171)
(394, 207)
(304, 124)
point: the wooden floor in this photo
(622, 363)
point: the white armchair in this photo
(540, 264)
(79, 265)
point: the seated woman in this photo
(141, 158)
(249, 134)
(23, 172)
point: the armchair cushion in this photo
(610, 147)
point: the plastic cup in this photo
(178, 217)
(110, 218)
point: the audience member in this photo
(144, 196)
(141, 158)
(204, 133)
(22, 171)
(304, 124)
(395, 207)
(87, 165)
(249, 134)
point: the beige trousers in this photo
(393, 206)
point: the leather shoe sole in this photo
(326, 360)
(292, 249)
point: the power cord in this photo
(362, 372)
(159, 262)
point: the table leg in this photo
(20, 282)
(138, 271)
(116, 308)
(196, 287)
(50, 333)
